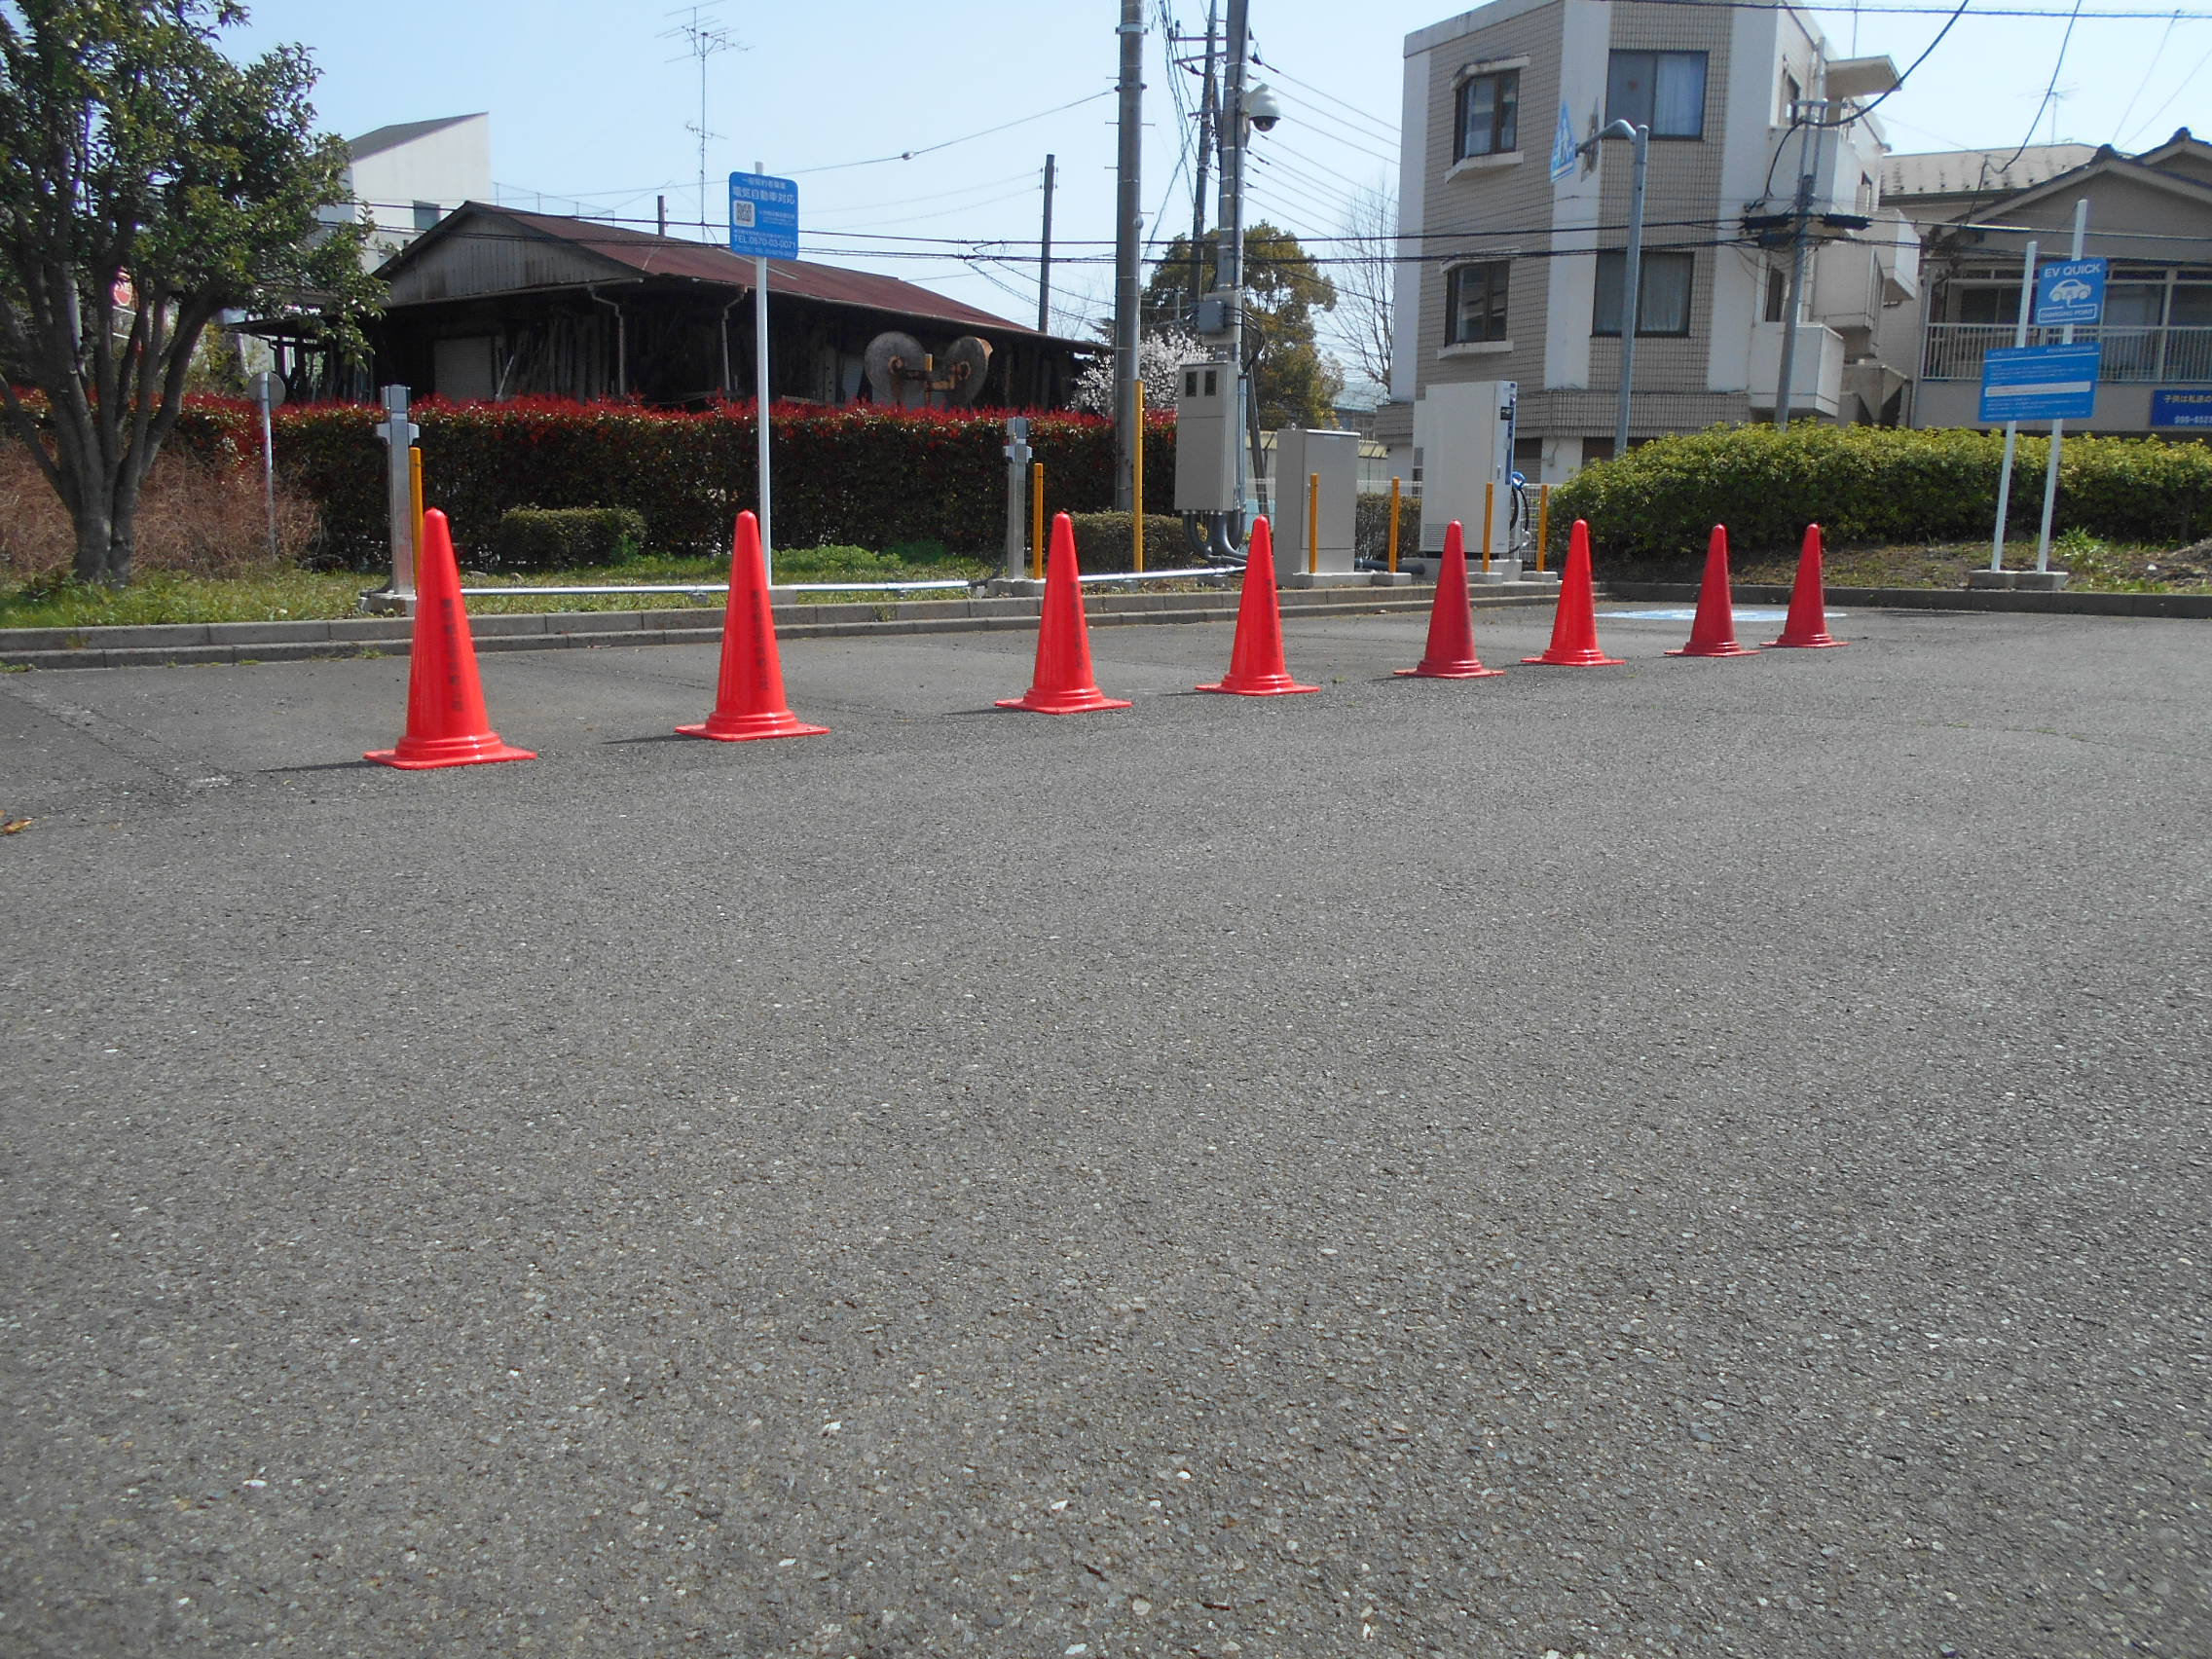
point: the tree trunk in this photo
(95, 540)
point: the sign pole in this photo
(2059, 427)
(2012, 428)
(761, 402)
(763, 225)
(263, 391)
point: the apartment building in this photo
(403, 179)
(1512, 244)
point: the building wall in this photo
(445, 168)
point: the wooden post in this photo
(1393, 526)
(1313, 524)
(1490, 511)
(1037, 521)
(1543, 522)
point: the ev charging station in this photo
(1462, 442)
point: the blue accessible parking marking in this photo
(1743, 613)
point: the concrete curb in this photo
(2167, 604)
(186, 643)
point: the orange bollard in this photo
(1255, 667)
(1450, 654)
(1575, 626)
(446, 722)
(749, 692)
(1714, 632)
(1062, 684)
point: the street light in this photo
(1632, 267)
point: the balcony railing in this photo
(1955, 351)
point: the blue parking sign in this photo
(764, 216)
(2072, 291)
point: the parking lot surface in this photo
(1689, 1158)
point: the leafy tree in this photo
(1160, 355)
(147, 183)
(1293, 382)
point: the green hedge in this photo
(859, 475)
(1874, 485)
(565, 539)
(1103, 542)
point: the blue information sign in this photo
(1563, 145)
(2041, 383)
(2070, 292)
(2186, 409)
(764, 216)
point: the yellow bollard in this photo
(1036, 520)
(1543, 521)
(1393, 526)
(1313, 524)
(1490, 511)
(415, 489)
(1136, 465)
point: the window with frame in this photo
(1489, 115)
(1663, 293)
(1475, 303)
(1664, 91)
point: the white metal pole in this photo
(2059, 427)
(760, 401)
(261, 389)
(399, 433)
(2012, 428)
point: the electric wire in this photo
(966, 138)
(2043, 103)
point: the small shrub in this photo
(566, 539)
(1371, 524)
(1103, 542)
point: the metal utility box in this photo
(1299, 454)
(1463, 441)
(1205, 438)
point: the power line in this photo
(2150, 68)
(2063, 41)
(1384, 129)
(2186, 81)
(967, 138)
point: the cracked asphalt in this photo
(1693, 1159)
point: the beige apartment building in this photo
(1512, 247)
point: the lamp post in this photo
(1632, 266)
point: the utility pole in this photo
(1800, 215)
(1632, 267)
(1129, 218)
(1207, 106)
(1229, 257)
(1045, 258)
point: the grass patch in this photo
(293, 595)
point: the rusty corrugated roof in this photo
(654, 255)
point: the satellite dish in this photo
(895, 370)
(962, 370)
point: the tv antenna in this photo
(704, 38)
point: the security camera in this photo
(1261, 107)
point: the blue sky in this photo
(591, 103)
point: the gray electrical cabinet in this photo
(1299, 456)
(1205, 438)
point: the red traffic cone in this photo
(1450, 654)
(446, 723)
(1255, 667)
(1712, 633)
(1575, 626)
(1807, 624)
(748, 695)
(1062, 684)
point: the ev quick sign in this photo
(2069, 293)
(764, 216)
(2041, 383)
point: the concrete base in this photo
(1390, 579)
(384, 602)
(1014, 587)
(1551, 578)
(1500, 571)
(2018, 582)
(1324, 578)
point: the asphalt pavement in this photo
(1688, 1158)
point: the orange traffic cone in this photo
(1255, 667)
(1450, 654)
(748, 695)
(1712, 633)
(1062, 684)
(446, 723)
(1575, 626)
(1808, 622)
